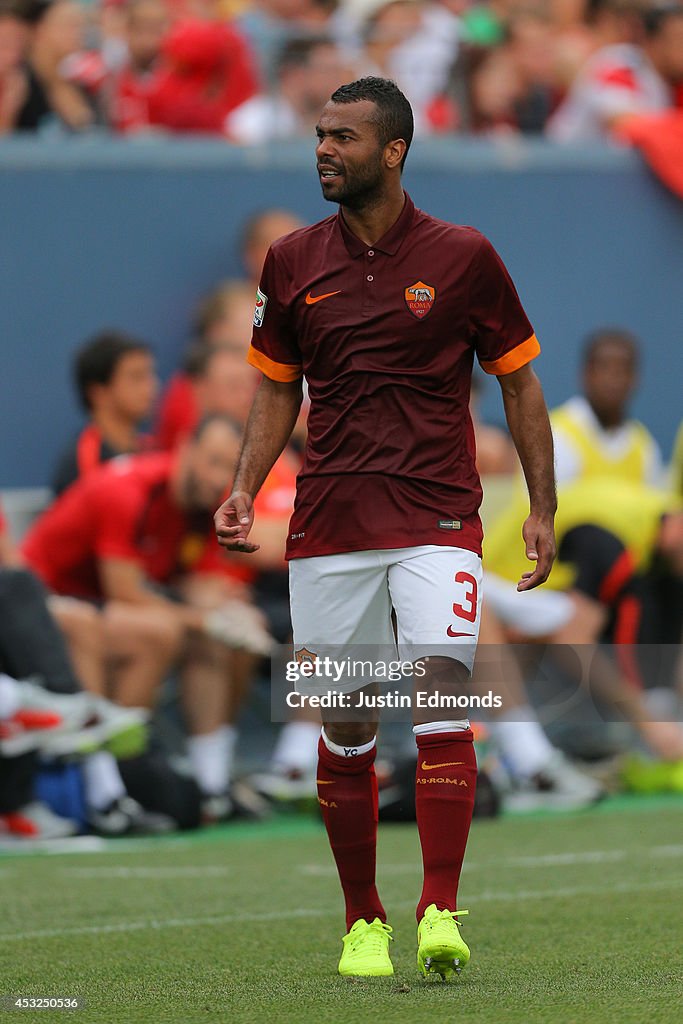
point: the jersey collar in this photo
(390, 242)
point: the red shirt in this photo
(178, 412)
(386, 337)
(122, 509)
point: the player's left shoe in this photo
(366, 950)
(441, 948)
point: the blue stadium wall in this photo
(100, 233)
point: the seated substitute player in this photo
(383, 308)
(136, 535)
(609, 534)
(117, 386)
(593, 434)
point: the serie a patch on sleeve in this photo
(260, 307)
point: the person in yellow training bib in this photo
(609, 533)
(592, 432)
(677, 464)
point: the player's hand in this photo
(234, 520)
(539, 537)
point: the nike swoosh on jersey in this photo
(430, 767)
(451, 632)
(311, 299)
(325, 782)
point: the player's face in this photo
(134, 386)
(349, 155)
(609, 381)
(209, 466)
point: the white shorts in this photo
(534, 613)
(340, 601)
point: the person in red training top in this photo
(383, 309)
(117, 385)
(135, 536)
(207, 71)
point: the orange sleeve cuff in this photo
(283, 372)
(515, 358)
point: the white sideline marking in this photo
(487, 896)
(539, 861)
(189, 871)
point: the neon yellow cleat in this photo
(441, 948)
(366, 951)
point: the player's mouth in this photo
(328, 174)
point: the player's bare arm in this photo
(527, 418)
(271, 422)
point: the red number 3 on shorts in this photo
(469, 609)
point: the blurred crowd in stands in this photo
(119, 612)
(254, 70)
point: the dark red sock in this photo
(347, 794)
(445, 782)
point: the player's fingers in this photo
(238, 544)
(229, 531)
(241, 509)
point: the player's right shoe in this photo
(441, 948)
(366, 951)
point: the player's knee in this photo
(350, 734)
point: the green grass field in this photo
(573, 918)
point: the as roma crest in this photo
(304, 654)
(420, 298)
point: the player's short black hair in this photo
(394, 117)
(14, 9)
(610, 336)
(97, 359)
(655, 17)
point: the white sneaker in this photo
(36, 821)
(558, 786)
(43, 718)
(120, 730)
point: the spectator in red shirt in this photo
(207, 72)
(146, 25)
(136, 535)
(625, 79)
(117, 385)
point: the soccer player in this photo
(383, 309)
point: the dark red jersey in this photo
(123, 509)
(386, 336)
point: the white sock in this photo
(9, 696)
(297, 747)
(103, 782)
(429, 728)
(523, 745)
(335, 748)
(211, 756)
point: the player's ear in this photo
(394, 152)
